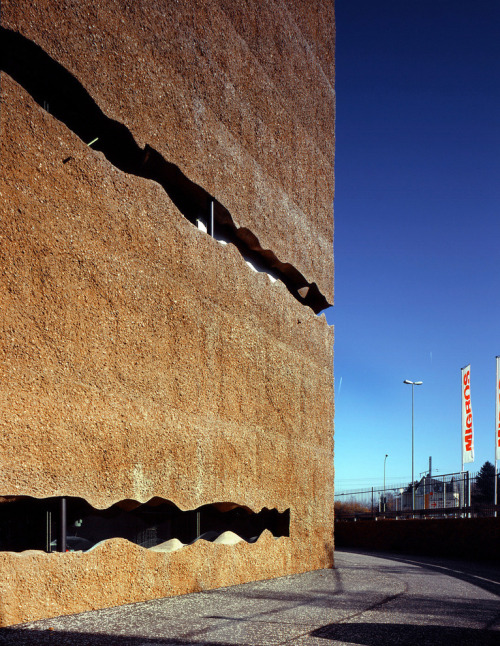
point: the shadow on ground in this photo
(366, 634)
(371, 634)
(23, 637)
(484, 575)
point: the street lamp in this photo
(412, 383)
(386, 456)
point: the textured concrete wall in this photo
(139, 357)
(238, 94)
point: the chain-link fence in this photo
(451, 495)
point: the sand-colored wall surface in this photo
(139, 357)
(239, 95)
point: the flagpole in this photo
(496, 487)
(497, 429)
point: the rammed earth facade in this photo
(166, 386)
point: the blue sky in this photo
(417, 232)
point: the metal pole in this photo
(469, 489)
(423, 502)
(497, 428)
(49, 531)
(412, 451)
(466, 493)
(62, 526)
(412, 384)
(430, 488)
(212, 233)
(386, 456)
(496, 486)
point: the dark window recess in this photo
(50, 84)
(33, 524)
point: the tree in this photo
(349, 509)
(484, 490)
(389, 501)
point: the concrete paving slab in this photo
(368, 599)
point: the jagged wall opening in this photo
(57, 91)
(28, 523)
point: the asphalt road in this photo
(366, 599)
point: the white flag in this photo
(467, 425)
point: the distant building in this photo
(430, 493)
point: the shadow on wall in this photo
(58, 92)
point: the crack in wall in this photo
(70, 523)
(57, 91)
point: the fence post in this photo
(469, 499)
(62, 525)
(496, 488)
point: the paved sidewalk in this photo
(366, 600)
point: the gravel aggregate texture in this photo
(239, 95)
(365, 600)
(139, 357)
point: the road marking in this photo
(462, 572)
